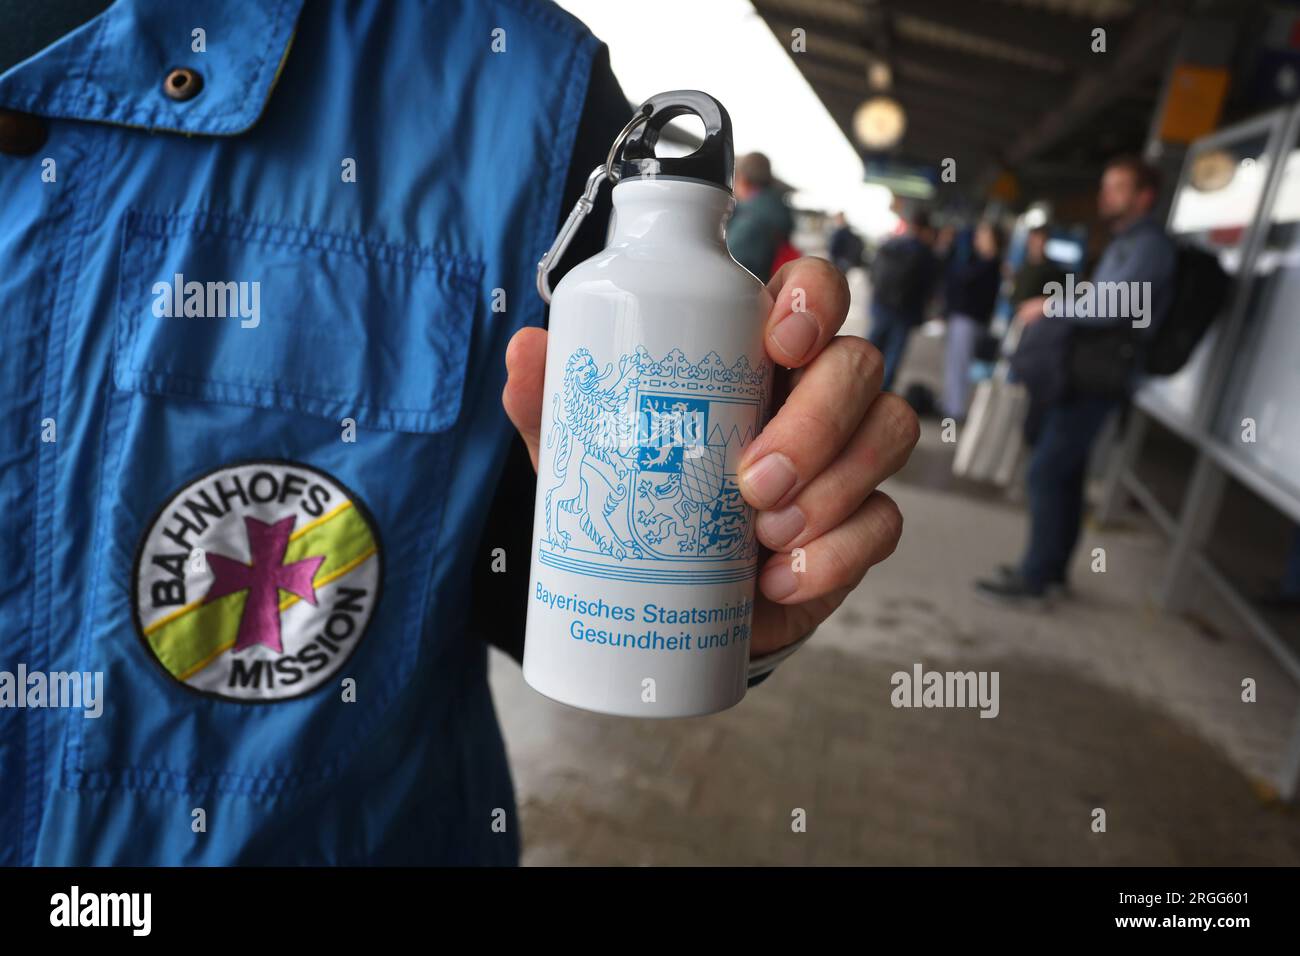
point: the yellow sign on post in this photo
(1193, 103)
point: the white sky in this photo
(724, 48)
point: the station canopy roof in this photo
(994, 84)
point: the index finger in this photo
(810, 300)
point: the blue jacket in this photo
(250, 365)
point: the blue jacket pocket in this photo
(229, 310)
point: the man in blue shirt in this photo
(1131, 284)
(260, 266)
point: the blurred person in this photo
(240, 174)
(1037, 270)
(845, 246)
(971, 294)
(952, 249)
(945, 239)
(902, 277)
(761, 225)
(1035, 274)
(1139, 252)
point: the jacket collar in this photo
(111, 69)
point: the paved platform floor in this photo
(1105, 703)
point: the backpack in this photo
(899, 275)
(1101, 359)
(1200, 291)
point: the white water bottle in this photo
(644, 556)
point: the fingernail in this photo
(779, 581)
(778, 528)
(795, 335)
(768, 479)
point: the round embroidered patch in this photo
(256, 581)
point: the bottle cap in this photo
(712, 163)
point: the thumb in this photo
(525, 376)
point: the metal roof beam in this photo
(1137, 54)
(1060, 37)
(970, 98)
(922, 59)
(971, 75)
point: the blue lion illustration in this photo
(587, 453)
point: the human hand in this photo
(1031, 310)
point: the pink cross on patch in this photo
(263, 579)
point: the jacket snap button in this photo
(183, 83)
(21, 134)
